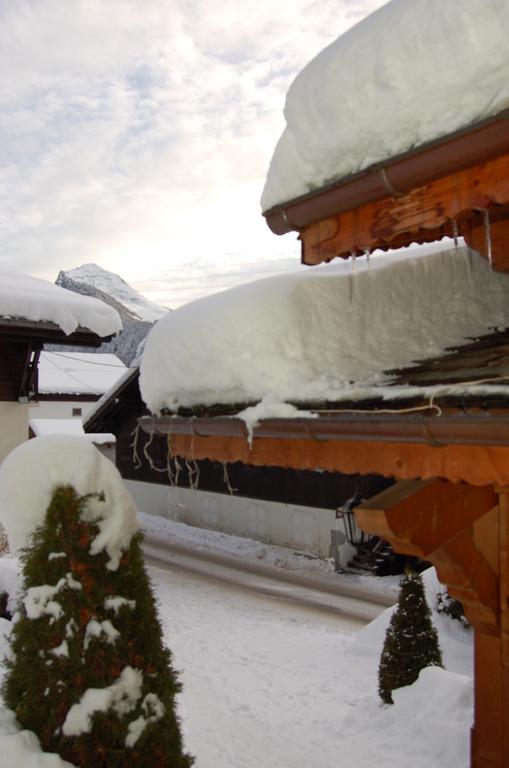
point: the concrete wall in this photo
(13, 426)
(287, 525)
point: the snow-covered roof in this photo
(111, 397)
(28, 298)
(411, 72)
(78, 372)
(328, 334)
(68, 427)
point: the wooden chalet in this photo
(21, 342)
(449, 458)
(142, 457)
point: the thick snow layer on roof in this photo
(78, 372)
(411, 72)
(31, 473)
(28, 298)
(68, 427)
(325, 334)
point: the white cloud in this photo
(138, 134)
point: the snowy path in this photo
(261, 677)
(280, 684)
(359, 606)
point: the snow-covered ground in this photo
(269, 683)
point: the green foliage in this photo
(44, 682)
(411, 641)
(448, 606)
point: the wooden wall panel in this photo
(12, 360)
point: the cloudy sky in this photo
(137, 133)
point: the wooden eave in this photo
(456, 185)
(44, 332)
(82, 397)
(458, 447)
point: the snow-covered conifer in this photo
(89, 673)
(411, 642)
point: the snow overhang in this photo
(396, 176)
(48, 332)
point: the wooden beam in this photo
(471, 580)
(424, 214)
(490, 734)
(479, 465)
(423, 515)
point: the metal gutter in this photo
(490, 428)
(396, 176)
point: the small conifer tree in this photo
(89, 673)
(411, 642)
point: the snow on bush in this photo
(411, 641)
(87, 668)
(411, 72)
(325, 334)
(22, 296)
(30, 474)
(456, 642)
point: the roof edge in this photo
(462, 428)
(396, 176)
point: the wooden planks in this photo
(478, 465)
(426, 213)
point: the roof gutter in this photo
(396, 176)
(490, 428)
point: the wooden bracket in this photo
(419, 516)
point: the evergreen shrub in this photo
(448, 606)
(89, 673)
(411, 641)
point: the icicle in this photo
(367, 254)
(455, 233)
(178, 468)
(147, 446)
(193, 471)
(134, 447)
(226, 479)
(351, 276)
(196, 474)
(487, 234)
(171, 478)
(149, 457)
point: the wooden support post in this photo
(464, 532)
(490, 735)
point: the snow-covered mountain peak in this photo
(92, 276)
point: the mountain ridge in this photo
(92, 280)
(138, 314)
